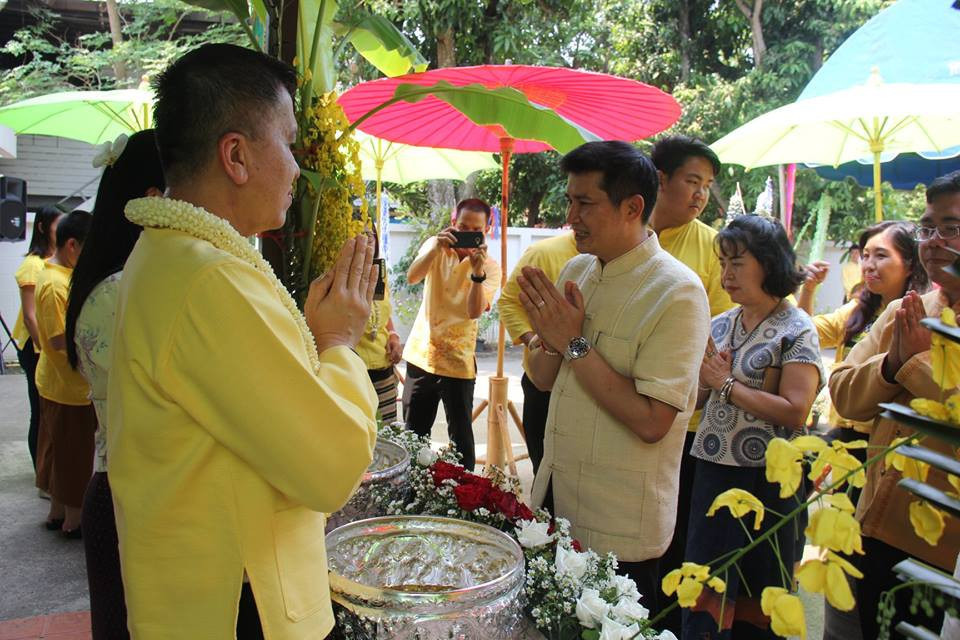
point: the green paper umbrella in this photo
(89, 116)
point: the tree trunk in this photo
(533, 210)
(756, 28)
(684, 6)
(116, 35)
(446, 51)
(718, 194)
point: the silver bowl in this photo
(426, 577)
(386, 479)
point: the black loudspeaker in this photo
(13, 209)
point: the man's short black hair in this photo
(626, 171)
(944, 186)
(474, 204)
(766, 241)
(74, 225)
(211, 91)
(671, 152)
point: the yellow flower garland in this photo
(165, 213)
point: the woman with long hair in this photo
(889, 267)
(43, 241)
(133, 173)
(759, 377)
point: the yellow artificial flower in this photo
(740, 503)
(836, 529)
(807, 444)
(945, 355)
(954, 482)
(930, 408)
(910, 468)
(841, 462)
(829, 577)
(687, 583)
(785, 611)
(928, 521)
(953, 408)
(840, 501)
(783, 466)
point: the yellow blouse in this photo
(26, 276)
(56, 379)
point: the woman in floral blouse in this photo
(758, 379)
(132, 170)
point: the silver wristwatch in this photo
(577, 348)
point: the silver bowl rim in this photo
(392, 470)
(510, 545)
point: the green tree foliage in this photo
(152, 37)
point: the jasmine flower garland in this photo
(177, 215)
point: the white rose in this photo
(666, 634)
(426, 457)
(571, 562)
(613, 630)
(531, 534)
(591, 608)
(625, 586)
(628, 610)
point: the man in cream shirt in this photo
(230, 432)
(620, 340)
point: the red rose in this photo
(445, 471)
(576, 546)
(514, 510)
(471, 496)
(474, 479)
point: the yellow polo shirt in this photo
(443, 340)
(693, 245)
(550, 255)
(831, 328)
(56, 379)
(26, 276)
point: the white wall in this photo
(53, 166)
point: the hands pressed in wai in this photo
(338, 303)
(556, 317)
(909, 336)
(715, 368)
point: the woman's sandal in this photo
(54, 525)
(72, 534)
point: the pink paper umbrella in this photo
(607, 106)
(611, 107)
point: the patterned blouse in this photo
(93, 336)
(727, 434)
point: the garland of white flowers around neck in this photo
(166, 213)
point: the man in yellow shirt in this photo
(549, 255)
(236, 422)
(686, 168)
(459, 285)
(68, 422)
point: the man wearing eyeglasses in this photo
(892, 364)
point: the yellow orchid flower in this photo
(954, 482)
(930, 408)
(928, 521)
(687, 582)
(783, 466)
(945, 355)
(835, 529)
(740, 503)
(842, 463)
(828, 577)
(785, 611)
(953, 408)
(840, 501)
(910, 468)
(807, 444)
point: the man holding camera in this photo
(460, 281)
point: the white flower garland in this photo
(165, 213)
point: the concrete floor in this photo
(41, 573)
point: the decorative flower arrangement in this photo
(330, 161)
(571, 593)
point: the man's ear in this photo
(662, 179)
(633, 206)
(233, 155)
(153, 192)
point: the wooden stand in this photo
(499, 447)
